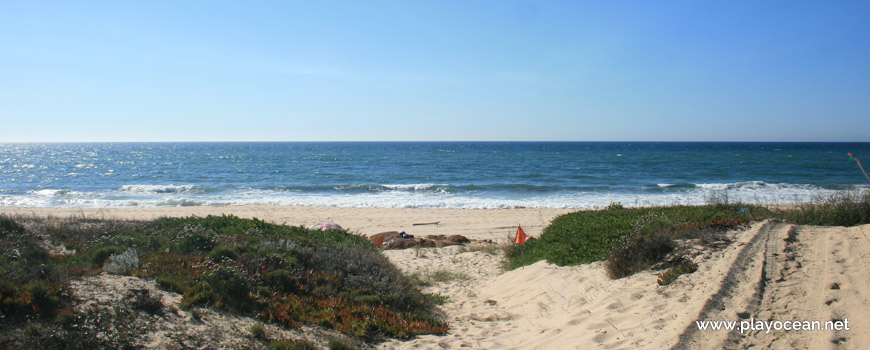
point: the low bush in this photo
(223, 252)
(39, 298)
(632, 254)
(229, 287)
(842, 209)
(282, 281)
(363, 268)
(258, 331)
(337, 344)
(196, 242)
(438, 299)
(292, 345)
(99, 256)
(9, 226)
(35, 255)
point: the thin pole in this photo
(862, 168)
(524, 255)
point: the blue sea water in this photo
(423, 174)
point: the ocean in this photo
(424, 174)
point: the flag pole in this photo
(521, 240)
(859, 165)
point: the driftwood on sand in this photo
(427, 223)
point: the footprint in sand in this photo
(615, 306)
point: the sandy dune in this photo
(771, 271)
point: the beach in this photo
(493, 224)
(430, 175)
(771, 271)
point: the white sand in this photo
(472, 223)
(772, 271)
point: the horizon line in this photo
(428, 141)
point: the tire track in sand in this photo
(738, 296)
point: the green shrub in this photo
(36, 255)
(201, 294)
(222, 252)
(292, 345)
(438, 299)
(99, 256)
(283, 281)
(633, 254)
(197, 242)
(263, 291)
(33, 298)
(258, 331)
(338, 344)
(9, 226)
(229, 287)
(365, 269)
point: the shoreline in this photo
(495, 224)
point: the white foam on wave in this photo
(748, 192)
(714, 186)
(399, 199)
(415, 187)
(736, 185)
(158, 188)
(51, 192)
(56, 198)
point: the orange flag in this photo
(521, 236)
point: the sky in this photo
(211, 70)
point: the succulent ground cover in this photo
(291, 276)
(634, 239)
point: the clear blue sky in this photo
(434, 70)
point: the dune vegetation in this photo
(634, 239)
(290, 276)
